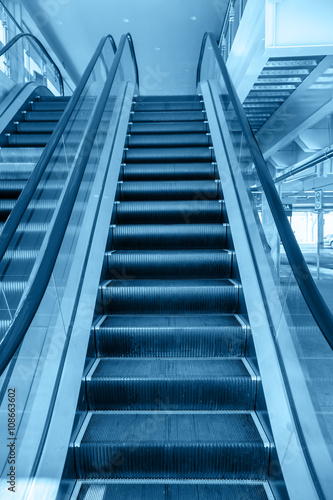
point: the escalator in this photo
(171, 395)
(186, 377)
(22, 143)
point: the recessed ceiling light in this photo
(125, 20)
(193, 18)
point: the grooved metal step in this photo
(168, 116)
(155, 236)
(170, 212)
(36, 127)
(168, 106)
(42, 116)
(189, 490)
(229, 442)
(174, 264)
(36, 140)
(137, 296)
(49, 105)
(168, 171)
(169, 190)
(166, 155)
(44, 209)
(166, 98)
(172, 384)
(11, 189)
(170, 336)
(15, 171)
(11, 293)
(167, 128)
(50, 98)
(23, 260)
(168, 140)
(20, 155)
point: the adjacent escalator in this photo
(171, 396)
(22, 143)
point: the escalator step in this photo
(12, 289)
(38, 229)
(169, 264)
(23, 260)
(28, 140)
(228, 490)
(11, 189)
(126, 296)
(170, 190)
(7, 187)
(168, 106)
(170, 336)
(20, 155)
(36, 127)
(167, 128)
(42, 116)
(15, 171)
(170, 384)
(230, 443)
(51, 98)
(156, 171)
(168, 236)
(6, 206)
(168, 154)
(170, 212)
(167, 140)
(40, 206)
(168, 116)
(167, 98)
(49, 105)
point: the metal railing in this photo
(230, 25)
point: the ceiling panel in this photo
(167, 35)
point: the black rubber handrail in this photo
(129, 36)
(16, 38)
(37, 284)
(23, 201)
(310, 292)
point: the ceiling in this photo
(167, 35)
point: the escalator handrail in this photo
(27, 193)
(129, 36)
(16, 38)
(38, 283)
(310, 292)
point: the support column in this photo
(320, 238)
